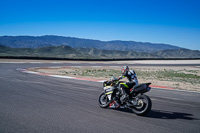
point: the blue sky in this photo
(175, 22)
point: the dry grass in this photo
(187, 78)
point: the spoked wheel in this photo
(143, 105)
(103, 100)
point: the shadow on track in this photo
(159, 114)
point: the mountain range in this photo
(64, 51)
(50, 40)
(68, 47)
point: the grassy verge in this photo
(180, 78)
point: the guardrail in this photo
(91, 59)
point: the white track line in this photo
(68, 77)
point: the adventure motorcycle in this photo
(139, 103)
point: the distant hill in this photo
(90, 53)
(68, 47)
(50, 40)
(179, 53)
(49, 51)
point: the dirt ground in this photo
(179, 77)
(186, 78)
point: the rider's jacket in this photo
(131, 76)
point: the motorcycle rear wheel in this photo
(143, 105)
(103, 100)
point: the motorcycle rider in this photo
(132, 81)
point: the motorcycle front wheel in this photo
(143, 105)
(103, 100)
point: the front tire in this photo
(103, 100)
(143, 105)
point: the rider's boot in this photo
(114, 104)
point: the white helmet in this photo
(124, 69)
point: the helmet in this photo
(113, 78)
(124, 69)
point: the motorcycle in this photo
(138, 102)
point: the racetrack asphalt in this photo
(35, 103)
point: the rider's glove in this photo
(120, 77)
